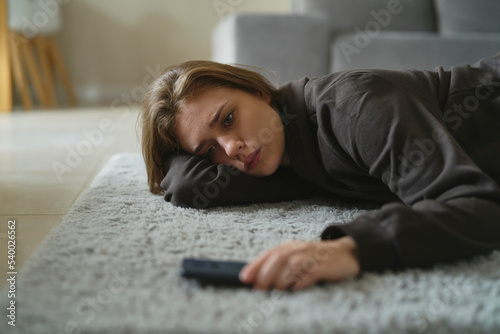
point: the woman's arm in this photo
(195, 182)
(451, 207)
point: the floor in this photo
(47, 158)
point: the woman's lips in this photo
(253, 159)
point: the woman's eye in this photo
(228, 119)
(210, 152)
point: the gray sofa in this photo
(323, 36)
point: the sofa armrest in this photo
(292, 46)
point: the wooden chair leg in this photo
(34, 73)
(18, 73)
(61, 68)
(47, 77)
(5, 67)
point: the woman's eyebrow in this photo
(212, 123)
(217, 115)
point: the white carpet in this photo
(111, 266)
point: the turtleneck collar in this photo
(301, 140)
(300, 135)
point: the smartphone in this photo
(215, 272)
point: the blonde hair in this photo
(176, 86)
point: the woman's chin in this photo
(262, 171)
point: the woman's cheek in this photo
(219, 161)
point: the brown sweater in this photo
(424, 144)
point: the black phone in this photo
(215, 272)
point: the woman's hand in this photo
(296, 265)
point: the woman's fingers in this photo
(250, 270)
(296, 265)
(278, 271)
(249, 273)
(267, 271)
(294, 275)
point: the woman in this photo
(424, 144)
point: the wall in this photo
(112, 46)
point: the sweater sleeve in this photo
(195, 182)
(450, 208)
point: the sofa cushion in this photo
(468, 16)
(370, 14)
(418, 50)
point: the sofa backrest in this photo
(345, 15)
(445, 16)
(457, 16)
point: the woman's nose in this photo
(232, 146)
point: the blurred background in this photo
(107, 52)
(109, 47)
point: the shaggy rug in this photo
(111, 266)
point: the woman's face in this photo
(233, 127)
